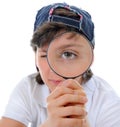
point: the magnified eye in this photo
(68, 55)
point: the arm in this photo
(6, 122)
(18, 108)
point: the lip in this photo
(55, 82)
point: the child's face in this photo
(50, 78)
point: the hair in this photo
(48, 30)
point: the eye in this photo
(43, 56)
(68, 55)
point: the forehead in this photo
(58, 36)
(70, 41)
(44, 48)
(70, 38)
(66, 39)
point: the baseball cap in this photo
(84, 24)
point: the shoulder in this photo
(24, 85)
(99, 84)
(29, 79)
(28, 89)
(28, 86)
(101, 93)
(28, 82)
(101, 100)
(26, 100)
(23, 88)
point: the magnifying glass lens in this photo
(69, 55)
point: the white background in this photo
(16, 27)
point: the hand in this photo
(66, 106)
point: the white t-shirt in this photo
(27, 103)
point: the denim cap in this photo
(84, 24)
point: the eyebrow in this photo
(70, 45)
(42, 49)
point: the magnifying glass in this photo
(70, 55)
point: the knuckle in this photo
(79, 122)
(61, 89)
(70, 81)
(66, 97)
(78, 111)
(83, 112)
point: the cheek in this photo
(43, 67)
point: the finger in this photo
(72, 122)
(70, 99)
(80, 92)
(66, 100)
(72, 112)
(59, 91)
(71, 83)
